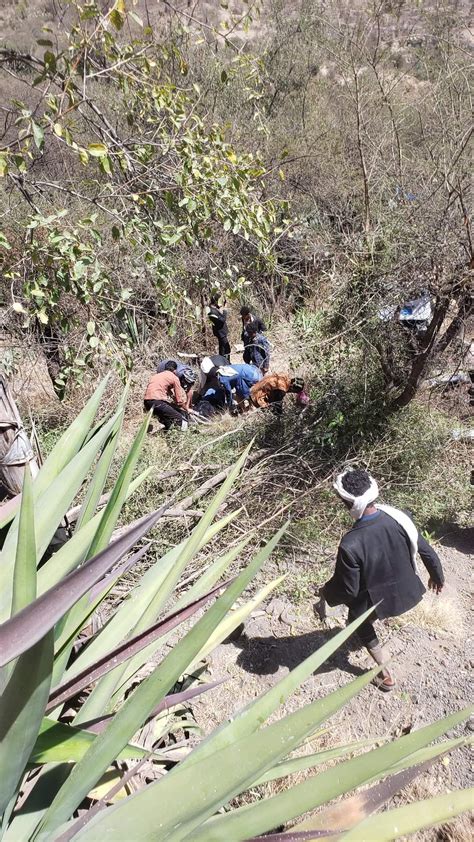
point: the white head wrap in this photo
(206, 365)
(359, 504)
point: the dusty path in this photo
(432, 656)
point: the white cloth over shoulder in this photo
(359, 505)
(407, 525)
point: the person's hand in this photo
(435, 586)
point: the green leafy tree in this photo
(147, 193)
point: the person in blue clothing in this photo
(257, 350)
(241, 377)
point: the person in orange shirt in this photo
(271, 390)
(167, 398)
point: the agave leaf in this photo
(50, 508)
(100, 697)
(119, 493)
(124, 620)
(402, 821)
(24, 576)
(9, 509)
(215, 780)
(73, 553)
(309, 761)
(200, 587)
(253, 715)
(58, 743)
(78, 616)
(348, 812)
(101, 472)
(174, 700)
(123, 652)
(207, 580)
(257, 818)
(70, 442)
(32, 623)
(80, 613)
(25, 683)
(139, 705)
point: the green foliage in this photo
(162, 186)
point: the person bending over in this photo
(239, 377)
(376, 563)
(271, 390)
(186, 376)
(167, 398)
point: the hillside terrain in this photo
(312, 161)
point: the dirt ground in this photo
(432, 659)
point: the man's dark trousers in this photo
(166, 413)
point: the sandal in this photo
(385, 682)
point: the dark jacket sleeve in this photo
(431, 560)
(344, 586)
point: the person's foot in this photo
(385, 681)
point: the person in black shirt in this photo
(376, 563)
(218, 319)
(248, 319)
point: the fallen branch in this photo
(73, 514)
(216, 480)
(183, 508)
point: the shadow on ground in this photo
(265, 655)
(457, 537)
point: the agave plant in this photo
(55, 769)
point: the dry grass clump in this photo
(435, 613)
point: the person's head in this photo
(252, 329)
(188, 378)
(356, 482)
(296, 385)
(357, 489)
(214, 300)
(245, 312)
(206, 365)
(171, 365)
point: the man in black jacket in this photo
(376, 563)
(218, 319)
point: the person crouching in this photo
(167, 398)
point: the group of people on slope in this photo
(256, 345)
(177, 394)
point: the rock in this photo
(276, 607)
(288, 616)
